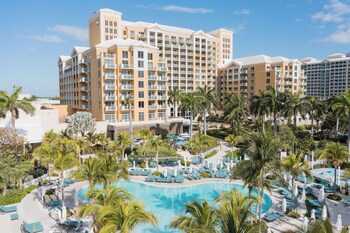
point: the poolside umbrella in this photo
(338, 178)
(231, 163)
(165, 173)
(321, 194)
(64, 212)
(76, 200)
(285, 177)
(175, 172)
(269, 230)
(146, 164)
(295, 191)
(185, 163)
(133, 164)
(284, 205)
(179, 163)
(303, 196)
(305, 224)
(339, 224)
(126, 157)
(313, 214)
(290, 184)
(324, 213)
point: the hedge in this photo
(211, 154)
(15, 195)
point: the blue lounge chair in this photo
(8, 209)
(316, 203)
(270, 217)
(33, 227)
(330, 190)
(347, 202)
(14, 216)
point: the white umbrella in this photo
(295, 191)
(228, 168)
(269, 230)
(303, 196)
(290, 184)
(133, 164)
(305, 158)
(339, 224)
(185, 162)
(285, 177)
(231, 163)
(324, 213)
(175, 172)
(284, 205)
(313, 214)
(222, 164)
(64, 212)
(76, 200)
(126, 157)
(179, 163)
(146, 164)
(338, 178)
(305, 224)
(321, 194)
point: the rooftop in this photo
(258, 59)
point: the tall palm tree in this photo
(12, 104)
(276, 101)
(156, 143)
(296, 104)
(62, 163)
(335, 153)
(315, 108)
(46, 153)
(145, 134)
(259, 107)
(321, 226)
(191, 102)
(233, 140)
(198, 218)
(209, 100)
(342, 104)
(122, 142)
(89, 170)
(236, 111)
(264, 159)
(128, 102)
(235, 212)
(174, 99)
(50, 136)
(295, 165)
(203, 141)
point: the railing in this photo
(35, 181)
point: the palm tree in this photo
(46, 153)
(198, 218)
(128, 103)
(264, 159)
(235, 212)
(316, 108)
(122, 142)
(145, 134)
(191, 102)
(275, 100)
(156, 143)
(321, 226)
(174, 99)
(294, 165)
(335, 153)
(90, 171)
(342, 104)
(50, 136)
(209, 100)
(259, 107)
(233, 140)
(295, 105)
(236, 111)
(12, 104)
(62, 163)
(203, 141)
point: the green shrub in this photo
(293, 214)
(211, 154)
(15, 195)
(334, 197)
(205, 175)
(182, 161)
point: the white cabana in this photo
(165, 173)
(76, 199)
(285, 177)
(126, 157)
(64, 212)
(305, 224)
(324, 213)
(295, 190)
(290, 185)
(339, 224)
(306, 158)
(303, 196)
(175, 172)
(321, 194)
(284, 205)
(313, 216)
(146, 164)
(134, 164)
(179, 164)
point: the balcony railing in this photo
(109, 87)
(110, 108)
(162, 78)
(152, 97)
(110, 66)
(84, 89)
(162, 87)
(162, 97)
(127, 76)
(152, 87)
(109, 76)
(127, 87)
(162, 106)
(161, 68)
(106, 56)
(84, 79)
(126, 66)
(110, 97)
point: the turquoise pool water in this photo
(168, 202)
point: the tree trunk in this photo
(175, 115)
(295, 119)
(260, 206)
(130, 122)
(263, 123)
(191, 124)
(62, 194)
(205, 122)
(292, 191)
(312, 124)
(337, 127)
(275, 123)
(335, 179)
(349, 134)
(49, 172)
(157, 159)
(13, 119)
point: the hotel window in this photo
(141, 116)
(125, 54)
(125, 117)
(150, 56)
(140, 54)
(141, 104)
(140, 64)
(268, 81)
(106, 30)
(124, 32)
(106, 37)
(141, 84)
(106, 22)
(110, 30)
(115, 31)
(110, 23)
(111, 37)
(115, 23)
(151, 116)
(141, 74)
(141, 94)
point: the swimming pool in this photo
(168, 202)
(328, 174)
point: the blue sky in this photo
(35, 33)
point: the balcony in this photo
(162, 87)
(85, 106)
(110, 97)
(84, 79)
(161, 97)
(162, 78)
(126, 77)
(110, 66)
(152, 77)
(127, 87)
(162, 118)
(152, 97)
(162, 60)
(127, 108)
(109, 76)
(151, 67)
(84, 70)
(110, 108)
(84, 60)
(152, 107)
(126, 66)
(152, 88)
(162, 68)
(109, 87)
(84, 89)
(106, 56)
(162, 106)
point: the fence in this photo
(35, 181)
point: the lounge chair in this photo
(330, 190)
(270, 217)
(14, 216)
(8, 209)
(347, 202)
(71, 224)
(32, 227)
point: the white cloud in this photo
(340, 36)
(242, 12)
(298, 20)
(73, 31)
(238, 29)
(46, 38)
(335, 11)
(179, 9)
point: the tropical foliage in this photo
(80, 124)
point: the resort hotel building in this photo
(129, 67)
(328, 77)
(250, 74)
